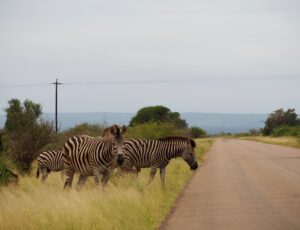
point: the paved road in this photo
(242, 185)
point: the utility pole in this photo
(56, 83)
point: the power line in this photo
(164, 81)
(24, 85)
(186, 80)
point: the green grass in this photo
(286, 141)
(126, 203)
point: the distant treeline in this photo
(279, 123)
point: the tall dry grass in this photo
(126, 203)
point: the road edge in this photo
(162, 225)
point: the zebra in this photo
(93, 156)
(156, 154)
(8, 177)
(50, 161)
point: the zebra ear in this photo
(123, 129)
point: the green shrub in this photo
(286, 131)
(154, 130)
(280, 118)
(80, 129)
(197, 132)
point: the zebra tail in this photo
(37, 173)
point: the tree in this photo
(1, 141)
(25, 133)
(279, 118)
(158, 114)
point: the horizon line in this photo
(227, 113)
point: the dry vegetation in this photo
(287, 141)
(126, 203)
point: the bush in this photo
(85, 129)
(25, 134)
(1, 141)
(160, 114)
(5, 178)
(196, 132)
(154, 130)
(80, 129)
(286, 131)
(280, 118)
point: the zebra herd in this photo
(99, 156)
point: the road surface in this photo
(241, 185)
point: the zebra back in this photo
(52, 160)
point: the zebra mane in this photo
(114, 130)
(106, 132)
(174, 138)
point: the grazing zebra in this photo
(8, 177)
(92, 156)
(49, 161)
(157, 154)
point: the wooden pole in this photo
(56, 83)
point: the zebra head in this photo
(117, 134)
(189, 156)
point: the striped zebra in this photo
(49, 161)
(156, 154)
(93, 156)
(8, 177)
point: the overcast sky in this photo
(228, 56)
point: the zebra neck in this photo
(173, 149)
(108, 153)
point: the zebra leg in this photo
(105, 177)
(162, 177)
(69, 174)
(81, 180)
(62, 174)
(44, 174)
(152, 174)
(96, 174)
(137, 171)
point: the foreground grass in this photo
(287, 141)
(126, 203)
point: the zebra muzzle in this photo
(120, 159)
(194, 166)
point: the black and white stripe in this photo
(8, 177)
(49, 161)
(93, 156)
(156, 154)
